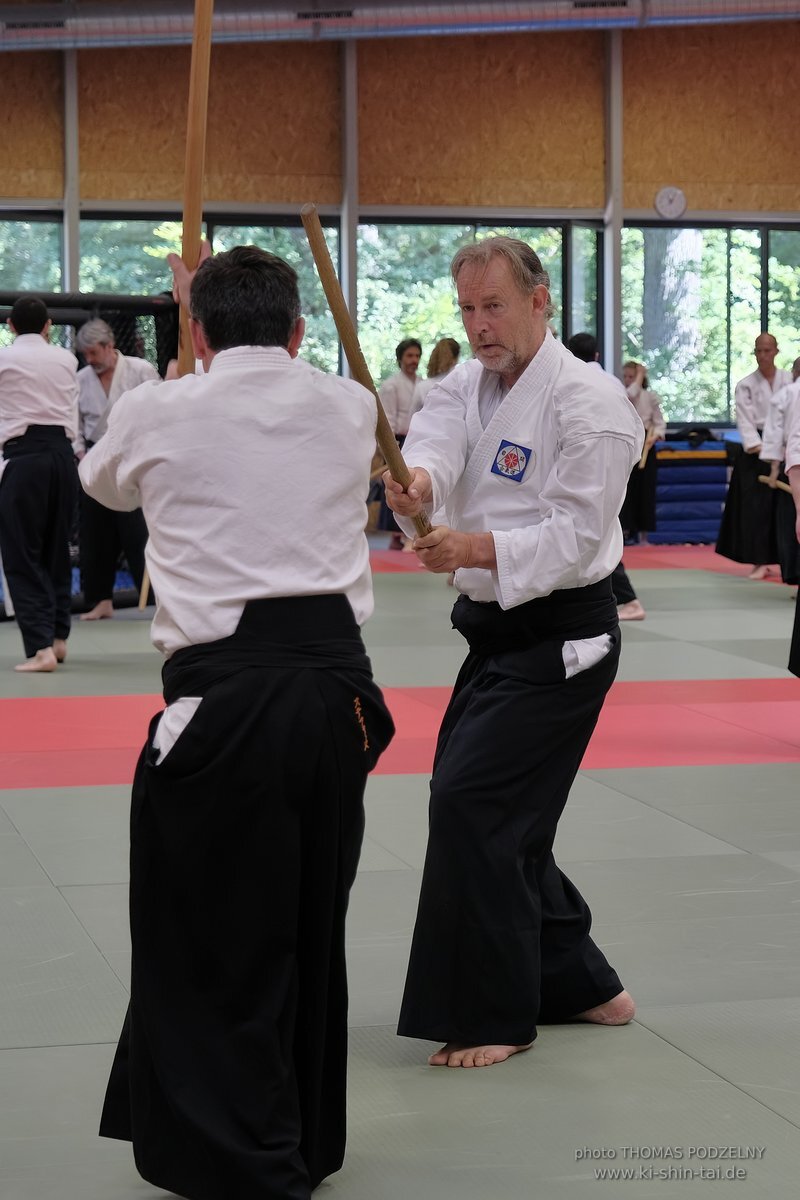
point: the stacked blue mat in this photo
(690, 493)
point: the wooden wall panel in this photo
(132, 121)
(502, 120)
(32, 141)
(274, 132)
(273, 123)
(714, 110)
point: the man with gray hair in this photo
(105, 534)
(528, 452)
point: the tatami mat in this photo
(683, 831)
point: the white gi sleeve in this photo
(773, 443)
(793, 433)
(437, 441)
(657, 423)
(579, 505)
(389, 400)
(746, 415)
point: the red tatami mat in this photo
(90, 740)
(636, 558)
(384, 562)
(687, 558)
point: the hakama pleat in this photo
(231, 1071)
(747, 531)
(502, 937)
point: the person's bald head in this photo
(766, 349)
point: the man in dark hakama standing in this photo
(247, 812)
(38, 482)
(792, 464)
(528, 451)
(747, 531)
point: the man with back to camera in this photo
(104, 534)
(247, 807)
(747, 532)
(38, 482)
(528, 451)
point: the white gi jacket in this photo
(400, 398)
(37, 387)
(547, 475)
(95, 406)
(773, 443)
(752, 397)
(253, 480)
(648, 407)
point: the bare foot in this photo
(759, 572)
(103, 611)
(617, 1011)
(42, 660)
(456, 1055)
(60, 649)
(632, 611)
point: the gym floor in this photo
(683, 832)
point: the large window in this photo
(127, 257)
(693, 299)
(30, 255)
(784, 292)
(583, 280)
(691, 310)
(320, 344)
(405, 290)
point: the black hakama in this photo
(621, 585)
(794, 650)
(37, 508)
(104, 535)
(229, 1078)
(638, 514)
(747, 531)
(502, 936)
(786, 535)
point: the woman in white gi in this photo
(444, 357)
(247, 811)
(528, 451)
(638, 516)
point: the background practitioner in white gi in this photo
(247, 808)
(792, 461)
(528, 451)
(747, 531)
(38, 482)
(105, 534)
(773, 451)
(400, 396)
(638, 515)
(629, 606)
